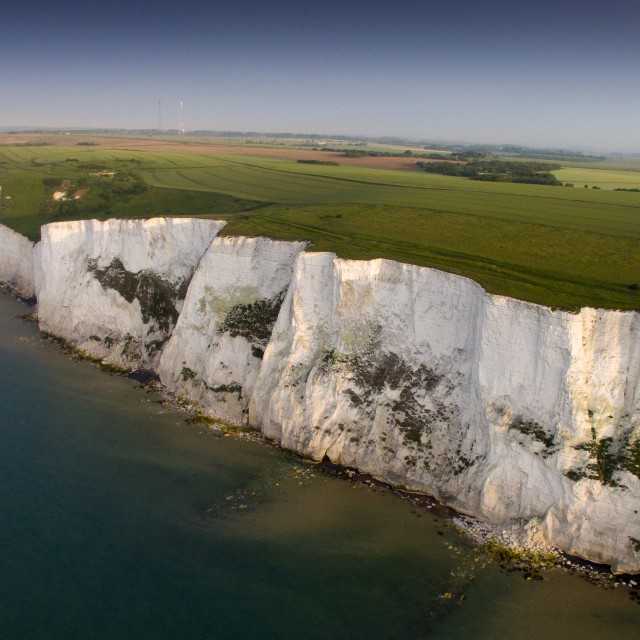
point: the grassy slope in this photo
(561, 247)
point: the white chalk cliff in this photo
(16, 262)
(114, 289)
(216, 349)
(502, 409)
(505, 410)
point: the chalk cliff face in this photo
(504, 410)
(216, 349)
(114, 289)
(500, 408)
(16, 262)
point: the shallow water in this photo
(119, 520)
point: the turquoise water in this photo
(119, 520)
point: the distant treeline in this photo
(331, 163)
(497, 171)
(371, 153)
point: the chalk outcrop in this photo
(508, 411)
(114, 289)
(216, 349)
(16, 262)
(502, 409)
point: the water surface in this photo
(119, 520)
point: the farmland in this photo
(601, 178)
(551, 245)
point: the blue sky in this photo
(553, 73)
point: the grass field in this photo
(631, 163)
(556, 246)
(602, 178)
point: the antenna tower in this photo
(181, 123)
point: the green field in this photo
(602, 178)
(561, 247)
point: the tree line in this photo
(496, 171)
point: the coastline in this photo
(414, 376)
(511, 550)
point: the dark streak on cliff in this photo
(156, 295)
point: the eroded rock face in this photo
(114, 289)
(502, 409)
(505, 410)
(16, 262)
(218, 344)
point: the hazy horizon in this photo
(231, 133)
(557, 74)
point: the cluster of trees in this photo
(124, 184)
(330, 163)
(99, 193)
(496, 171)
